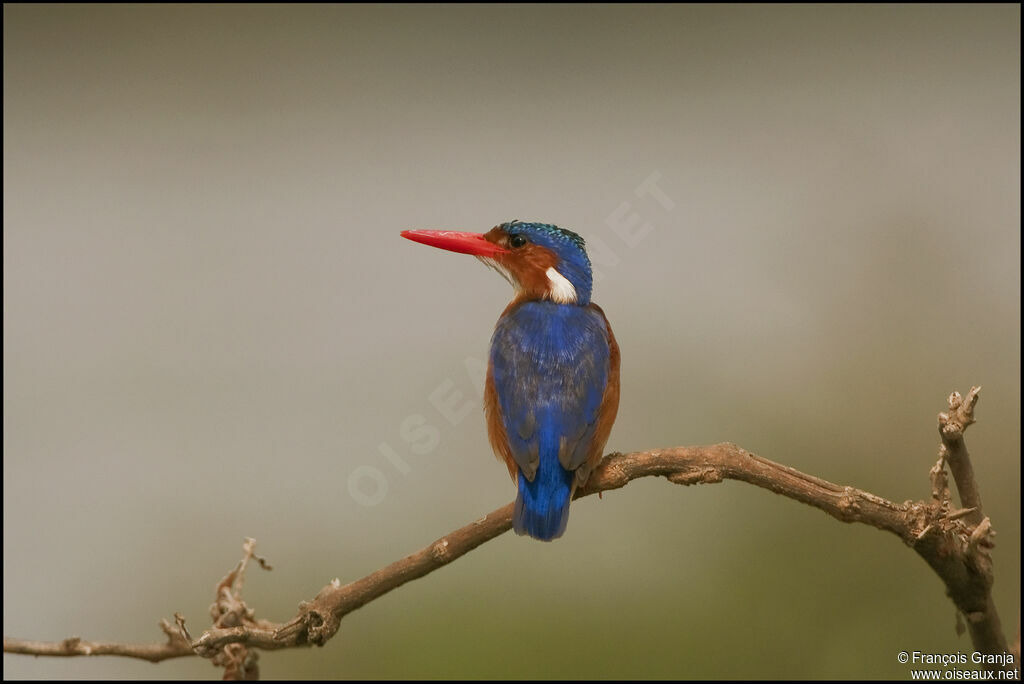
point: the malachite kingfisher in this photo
(552, 388)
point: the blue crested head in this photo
(543, 261)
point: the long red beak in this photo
(454, 241)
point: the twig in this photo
(175, 647)
(230, 611)
(952, 426)
(952, 544)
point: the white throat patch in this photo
(561, 290)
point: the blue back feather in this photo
(550, 365)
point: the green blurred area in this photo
(210, 322)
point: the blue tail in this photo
(542, 506)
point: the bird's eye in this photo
(516, 240)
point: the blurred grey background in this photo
(212, 329)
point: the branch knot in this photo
(694, 476)
(849, 506)
(439, 551)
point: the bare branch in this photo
(955, 543)
(967, 571)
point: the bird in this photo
(552, 388)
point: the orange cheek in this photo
(529, 266)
